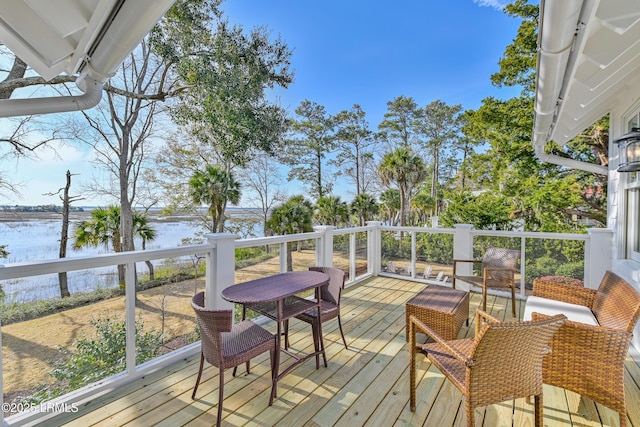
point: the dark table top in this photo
(273, 288)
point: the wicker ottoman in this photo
(442, 309)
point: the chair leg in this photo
(286, 334)
(484, 298)
(316, 342)
(513, 300)
(274, 374)
(539, 418)
(220, 397)
(193, 395)
(342, 333)
(623, 419)
(471, 413)
(412, 369)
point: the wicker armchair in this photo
(587, 359)
(498, 271)
(226, 345)
(502, 362)
(330, 302)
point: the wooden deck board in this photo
(365, 385)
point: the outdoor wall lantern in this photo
(629, 148)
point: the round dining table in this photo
(276, 297)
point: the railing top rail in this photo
(248, 243)
(59, 265)
(349, 230)
(418, 229)
(531, 234)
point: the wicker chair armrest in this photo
(483, 317)
(416, 325)
(466, 260)
(595, 330)
(499, 269)
(572, 294)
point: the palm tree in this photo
(365, 207)
(291, 217)
(390, 200)
(405, 169)
(330, 210)
(103, 228)
(423, 205)
(215, 187)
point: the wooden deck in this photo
(366, 385)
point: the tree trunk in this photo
(64, 235)
(289, 256)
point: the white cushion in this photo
(549, 307)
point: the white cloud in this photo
(496, 4)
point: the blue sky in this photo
(369, 52)
(344, 52)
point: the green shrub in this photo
(97, 357)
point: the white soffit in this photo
(602, 68)
(52, 36)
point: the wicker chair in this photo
(227, 345)
(586, 359)
(330, 302)
(498, 271)
(502, 362)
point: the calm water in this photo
(38, 239)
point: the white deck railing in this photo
(219, 253)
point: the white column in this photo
(374, 247)
(221, 269)
(324, 251)
(463, 249)
(598, 252)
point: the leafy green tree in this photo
(312, 139)
(331, 210)
(398, 125)
(103, 228)
(439, 125)
(291, 217)
(486, 211)
(365, 207)
(404, 169)
(215, 187)
(226, 104)
(355, 146)
(509, 166)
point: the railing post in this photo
(221, 269)
(598, 251)
(374, 247)
(463, 249)
(413, 255)
(284, 253)
(324, 253)
(130, 317)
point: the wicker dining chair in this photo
(586, 359)
(227, 345)
(498, 271)
(502, 362)
(330, 296)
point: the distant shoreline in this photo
(153, 214)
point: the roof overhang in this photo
(588, 56)
(89, 38)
